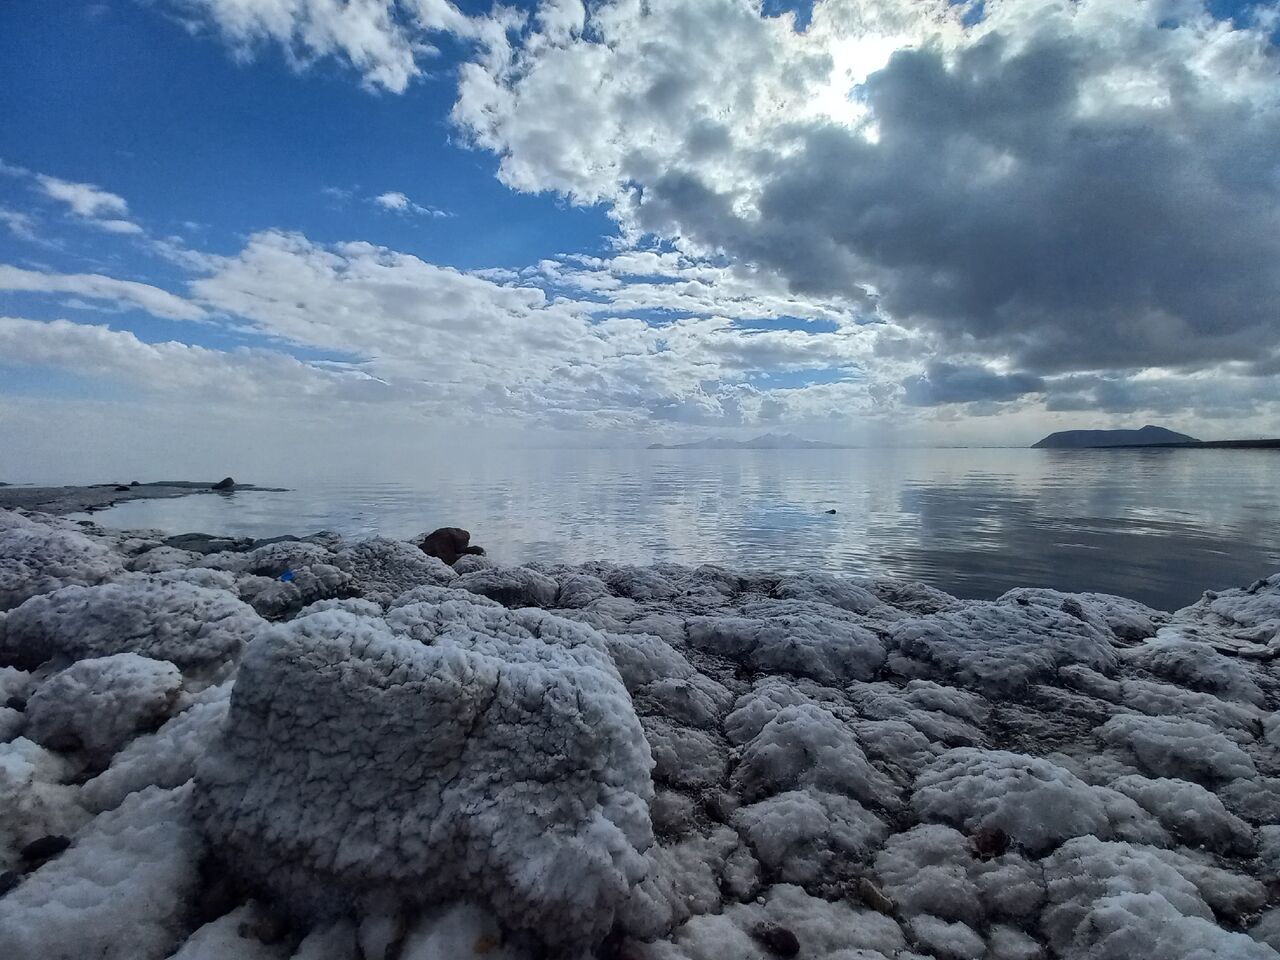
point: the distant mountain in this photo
(1078, 439)
(768, 441)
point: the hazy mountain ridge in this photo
(767, 441)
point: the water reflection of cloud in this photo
(1159, 526)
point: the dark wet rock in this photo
(779, 941)
(134, 483)
(8, 880)
(989, 843)
(16, 703)
(226, 483)
(207, 543)
(448, 544)
(45, 848)
(121, 488)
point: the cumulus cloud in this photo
(94, 286)
(957, 383)
(1065, 186)
(91, 204)
(171, 367)
(383, 40)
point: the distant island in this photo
(768, 441)
(1148, 436)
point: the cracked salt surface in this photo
(381, 756)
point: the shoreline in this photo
(337, 748)
(88, 498)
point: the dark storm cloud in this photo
(953, 383)
(1009, 206)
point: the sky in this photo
(239, 229)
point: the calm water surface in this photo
(1160, 525)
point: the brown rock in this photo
(448, 544)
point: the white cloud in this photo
(1075, 185)
(381, 39)
(91, 204)
(398, 202)
(94, 286)
(185, 370)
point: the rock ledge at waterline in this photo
(374, 758)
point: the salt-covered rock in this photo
(382, 569)
(359, 763)
(794, 638)
(36, 796)
(1250, 614)
(810, 836)
(510, 586)
(187, 625)
(1175, 747)
(98, 705)
(806, 746)
(231, 937)
(820, 928)
(1196, 666)
(998, 648)
(166, 758)
(933, 870)
(1096, 887)
(121, 892)
(1189, 812)
(1127, 619)
(1036, 803)
(38, 558)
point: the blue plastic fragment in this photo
(287, 576)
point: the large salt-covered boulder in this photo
(460, 753)
(187, 625)
(38, 558)
(999, 648)
(98, 705)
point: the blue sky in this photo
(622, 222)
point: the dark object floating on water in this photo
(832, 510)
(779, 941)
(44, 848)
(121, 488)
(448, 544)
(225, 484)
(1076, 439)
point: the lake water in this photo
(1160, 526)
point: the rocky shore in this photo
(87, 498)
(323, 749)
